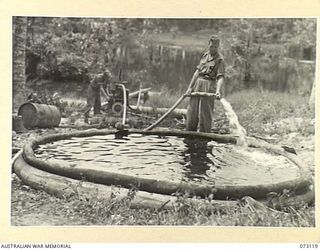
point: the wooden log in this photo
(151, 110)
(202, 94)
(84, 126)
(190, 134)
(63, 187)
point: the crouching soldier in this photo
(96, 86)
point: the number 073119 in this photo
(309, 246)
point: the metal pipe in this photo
(124, 104)
(139, 97)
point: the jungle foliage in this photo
(264, 53)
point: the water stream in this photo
(234, 122)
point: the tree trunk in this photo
(312, 96)
(19, 48)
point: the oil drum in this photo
(39, 115)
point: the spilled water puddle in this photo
(171, 158)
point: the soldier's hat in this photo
(107, 73)
(214, 39)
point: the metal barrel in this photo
(39, 115)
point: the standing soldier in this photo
(208, 77)
(93, 95)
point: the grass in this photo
(273, 113)
(166, 98)
(264, 113)
(114, 211)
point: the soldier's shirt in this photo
(97, 82)
(211, 67)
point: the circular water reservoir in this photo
(171, 158)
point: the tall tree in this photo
(312, 99)
(19, 50)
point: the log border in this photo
(64, 187)
(298, 185)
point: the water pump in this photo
(117, 96)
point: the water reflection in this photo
(169, 158)
(196, 158)
(122, 134)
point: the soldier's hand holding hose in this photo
(218, 95)
(188, 92)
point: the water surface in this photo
(171, 158)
